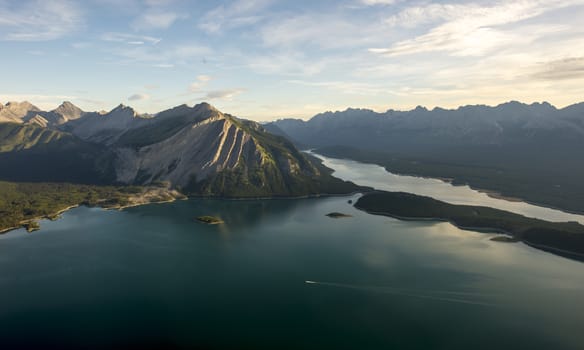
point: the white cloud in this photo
(38, 20)
(239, 13)
(346, 87)
(563, 69)
(199, 87)
(163, 65)
(285, 63)
(199, 83)
(131, 39)
(226, 94)
(468, 29)
(377, 2)
(322, 31)
(156, 55)
(156, 19)
(139, 97)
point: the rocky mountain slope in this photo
(27, 113)
(198, 150)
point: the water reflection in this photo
(377, 177)
(154, 271)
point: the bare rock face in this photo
(17, 112)
(66, 112)
(105, 128)
(69, 110)
(207, 143)
(38, 120)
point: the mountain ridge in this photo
(198, 150)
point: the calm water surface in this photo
(151, 277)
(376, 176)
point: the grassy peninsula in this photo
(566, 239)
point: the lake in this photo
(279, 274)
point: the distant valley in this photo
(533, 152)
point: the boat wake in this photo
(460, 297)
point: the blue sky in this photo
(267, 59)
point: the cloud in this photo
(156, 19)
(199, 83)
(157, 55)
(322, 31)
(139, 97)
(226, 94)
(81, 45)
(568, 68)
(163, 65)
(377, 2)
(131, 39)
(467, 29)
(38, 20)
(239, 13)
(345, 87)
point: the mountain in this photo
(203, 151)
(27, 113)
(65, 112)
(507, 123)
(69, 111)
(198, 150)
(32, 153)
(17, 112)
(104, 127)
(531, 151)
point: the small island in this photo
(337, 215)
(561, 238)
(209, 220)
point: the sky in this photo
(269, 59)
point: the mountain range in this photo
(531, 151)
(198, 150)
(420, 128)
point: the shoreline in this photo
(138, 204)
(489, 192)
(51, 217)
(439, 220)
(517, 228)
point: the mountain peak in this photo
(21, 105)
(69, 110)
(512, 103)
(204, 106)
(122, 108)
(67, 104)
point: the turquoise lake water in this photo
(279, 274)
